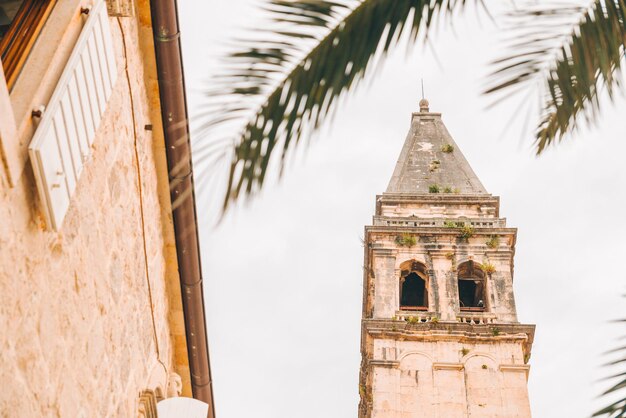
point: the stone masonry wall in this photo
(449, 378)
(442, 286)
(90, 316)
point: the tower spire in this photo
(431, 160)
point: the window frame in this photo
(484, 294)
(471, 275)
(415, 267)
(18, 41)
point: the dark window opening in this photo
(471, 295)
(471, 283)
(413, 295)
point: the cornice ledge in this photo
(515, 368)
(437, 230)
(383, 363)
(442, 335)
(448, 366)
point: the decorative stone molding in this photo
(514, 367)
(519, 368)
(120, 8)
(174, 385)
(442, 253)
(384, 363)
(448, 366)
(476, 318)
(416, 317)
(147, 405)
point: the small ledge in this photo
(415, 312)
(448, 366)
(426, 114)
(515, 367)
(384, 363)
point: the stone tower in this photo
(440, 335)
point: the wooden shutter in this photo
(62, 142)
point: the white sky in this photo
(283, 276)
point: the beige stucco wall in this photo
(91, 315)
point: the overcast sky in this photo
(283, 276)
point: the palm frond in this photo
(574, 52)
(616, 409)
(311, 52)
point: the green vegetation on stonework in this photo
(406, 240)
(493, 241)
(488, 268)
(447, 148)
(467, 231)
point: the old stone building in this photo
(93, 253)
(440, 334)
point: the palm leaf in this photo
(616, 409)
(575, 53)
(311, 53)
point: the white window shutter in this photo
(51, 179)
(62, 142)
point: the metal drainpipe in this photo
(178, 149)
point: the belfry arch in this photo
(471, 281)
(413, 286)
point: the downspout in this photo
(180, 172)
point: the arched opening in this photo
(413, 291)
(471, 282)
(413, 287)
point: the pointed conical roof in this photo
(430, 157)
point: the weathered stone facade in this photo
(440, 336)
(91, 315)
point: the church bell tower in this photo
(440, 335)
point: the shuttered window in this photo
(62, 142)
